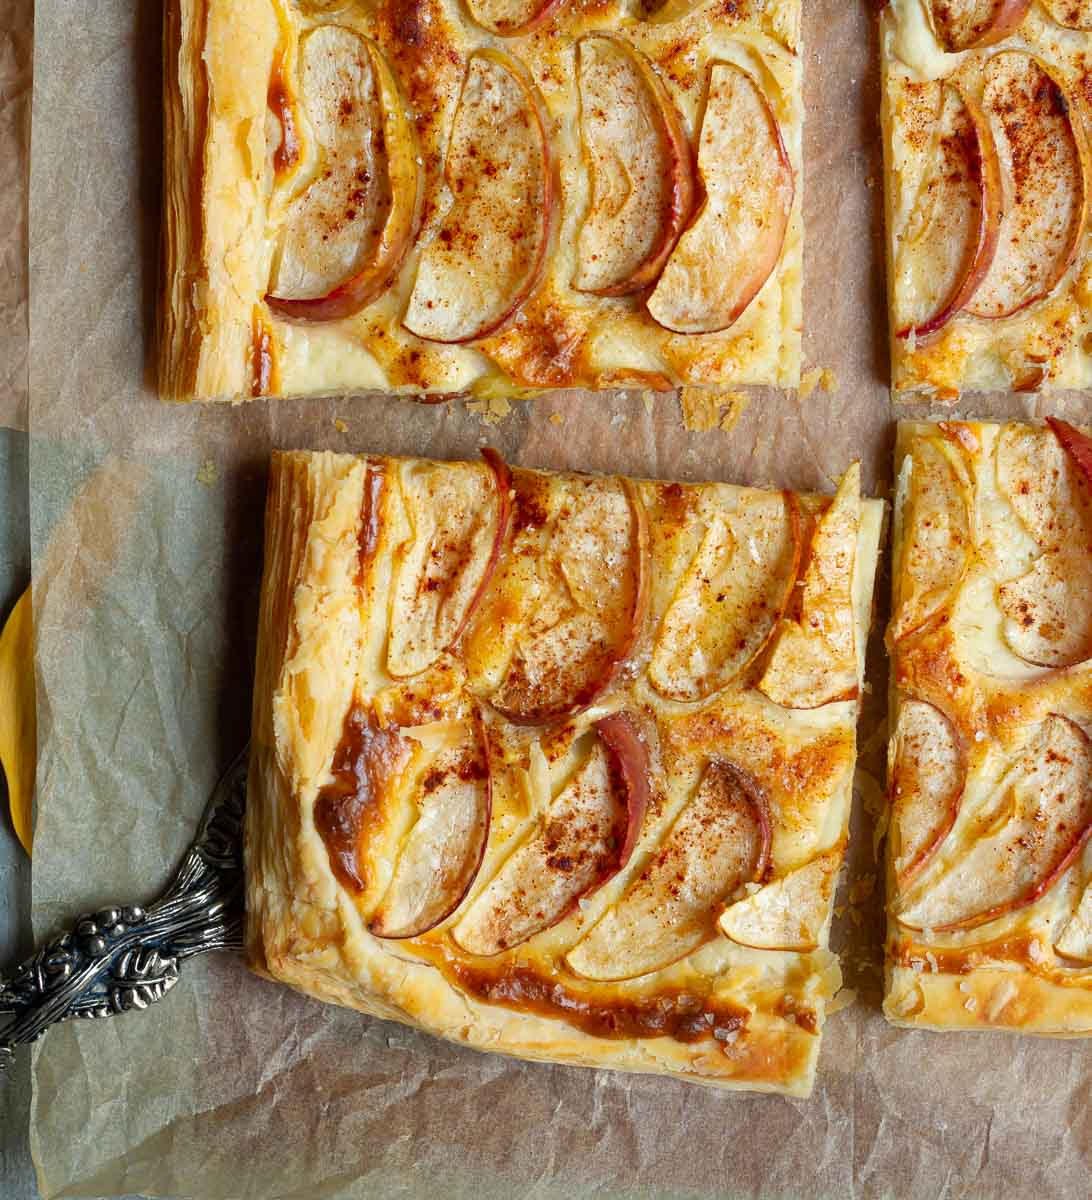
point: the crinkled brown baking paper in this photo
(147, 534)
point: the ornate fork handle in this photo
(123, 958)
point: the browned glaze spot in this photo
(350, 805)
(371, 519)
(283, 107)
(686, 1015)
(263, 363)
(963, 960)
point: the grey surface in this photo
(16, 1172)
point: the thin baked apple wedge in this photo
(642, 187)
(488, 252)
(814, 658)
(1042, 144)
(458, 519)
(788, 913)
(933, 518)
(443, 851)
(1048, 610)
(970, 24)
(730, 599)
(566, 607)
(585, 837)
(346, 234)
(735, 240)
(1075, 939)
(928, 777)
(950, 239)
(1047, 794)
(719, 842)
(512, 18)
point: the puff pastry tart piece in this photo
(438, 199)
(547, 765)
(985, 125)
(990, 824)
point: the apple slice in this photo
(489, 252)
(642, 186)
(814, 659)
(570, 600)
(730, 599)
(720, 841)
(458, 513)
(346, 234)
(1049, 789)
(512, 18)
(443, 852)
(933, 516)
(1076, 443)
(1043, 147)
(355, 813)
(1049, 609)
(787, 914)
(928, 777)
(951, 236)
(585, 837)
(969, 24)
(1072, 14)
(734, 242)
(1075, 940)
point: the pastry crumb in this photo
(846, 998)
(492, 410)
(649, 398)
(340, 425)
(208, 473)
(556, 418)
(817, 378)
(704, 409)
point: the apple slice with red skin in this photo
(490, 249)
(720, 841)
(731, 598)
(970, 24)
(585, 838)
(1048, 609)
(814, 658)
(512, 18)
(570, 598)
(1041, 139)
(1049, 788)
(442, 854)
(928, 777)
(952, 234)
(1071, 14)
(1076, 443)
(734, 242)
(933, 509)
(642, 186)
(347, 233)
(459, 513)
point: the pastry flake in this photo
(985, 120)
(990, 762)
(477, 808)
(504, 196)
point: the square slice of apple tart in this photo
(490, 197)
(559, 766)
(989, 853)
(986, 119)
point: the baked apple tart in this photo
(985, 116)
(501, 196)
(559, 766)
(989, 854)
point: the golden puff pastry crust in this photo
(989, 855)
(550, 765)
(986, 125)
(432, 197)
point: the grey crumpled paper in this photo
(147, 536)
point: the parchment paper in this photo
(16, 52)
(147, 536)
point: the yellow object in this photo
(18, 719)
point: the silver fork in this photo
(127, 957)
